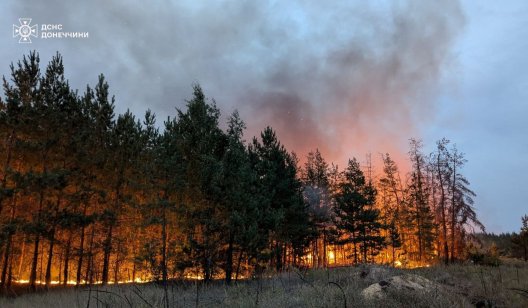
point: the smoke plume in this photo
(345, 77)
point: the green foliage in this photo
(484, 258)
(520, 241)
(284, 213)
(355, 214)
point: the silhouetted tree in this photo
(356, 218)
(521, 240)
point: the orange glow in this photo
(53, 282)
(331, 257)
(73, 282)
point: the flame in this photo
(331, 257)
(137, 280)
(53, 282)
(194, 276)
(73, 282)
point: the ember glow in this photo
(82, 282)
(53, 282)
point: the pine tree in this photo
(19, 94)
(442, 174)
(298, 228)
(461, 210)
(237, 188)
(124, 148)
(356, 218)
(202, 146)
(393, 201)
(394, 241)
(316, 191)
(285, 215)
(520, 241)
(92, 173)
(421, 215)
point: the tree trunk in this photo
(60, 267)
(81, 249)
(284, 257)
(6, 165)
(107, 251)
(22, 256)
(278, 257)
(164, 256)
(52, 243)
(315, 254)
(435, 210)
(67, 259)
(117, 261)
(442, 208)
(206, 264)
(453, 209)
(50, 258)
(355, 249)
(229, 258)
(364, 248)
(89, 265)
(325, 261)
(420, 236)
(238, 265)
(81, 255)
(393, 255)
(10, 273)
(108, 241)
(7, 253)
(34, 264)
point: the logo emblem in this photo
(25, 30)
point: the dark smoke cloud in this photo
(345, 77)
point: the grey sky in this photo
(485, 107)
(347, 78)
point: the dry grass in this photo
(459, 286)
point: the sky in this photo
(348, 78)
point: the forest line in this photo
(90, 197)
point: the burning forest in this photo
(91, 197)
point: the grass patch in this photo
(467, 286)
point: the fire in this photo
(137, 280)
(331, 257)
(73, 282)
(194, 276)
(53, 282)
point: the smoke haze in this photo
(348, 78)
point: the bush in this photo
(484, 258)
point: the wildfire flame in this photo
(73, 282)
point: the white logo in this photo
(25, 30)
